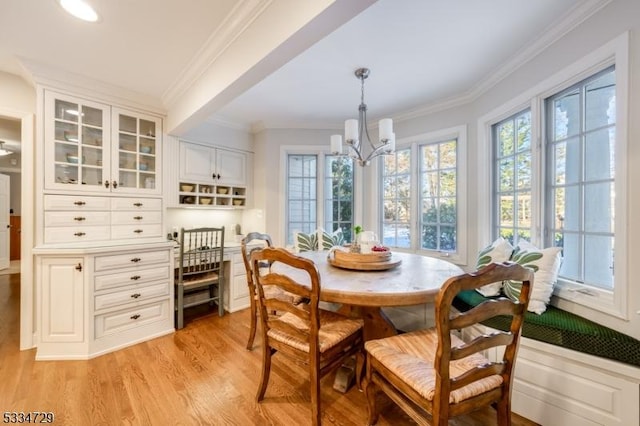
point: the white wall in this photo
(212, 133)
(16, 94)
(268, 188)
(617, 17)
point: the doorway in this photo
(17, 128)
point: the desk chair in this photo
(318, 339)
(432, 374)
(200, 277)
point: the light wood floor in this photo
(201, 375)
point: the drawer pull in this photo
(137, 217)
(136, 295)
(136, 260)
(79, 267)
(79, 218)
(79, 234)
(79, 203)
(136, 277)
(135, 317)
(137, 204)
(138, 231)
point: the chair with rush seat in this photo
(321, 340)
(246, 257)
(432, 374)
(200, 275)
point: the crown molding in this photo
(217, 120)
(45, 75)
(236, 22)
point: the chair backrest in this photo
(201, 251)
(246, 254)
(447, 322)
(302, 279)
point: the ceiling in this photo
(422, 53)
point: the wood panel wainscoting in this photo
(202, 374)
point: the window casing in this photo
(319, 192)
(423, 195)
(580, 184)
(550, 211)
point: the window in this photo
(319, 191)
(302, 184)
(438, 196)
(338, 191)
(575, 123)
(580, 186)
(423, 198)
(396, 199)
(512, 209)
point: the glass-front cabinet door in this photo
(136, 151)
(77, 153)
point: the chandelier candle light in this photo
(356, 130)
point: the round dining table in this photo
(414, 280)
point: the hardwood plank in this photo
(202, 374)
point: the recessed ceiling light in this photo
(80, 9)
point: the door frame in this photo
(27, 283)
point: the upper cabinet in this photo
(205, 164)
(93, 147)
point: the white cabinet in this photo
(238, 293)
(61, 317)
(93, 147)
(206, 164)
(82, 219)
(94, 301)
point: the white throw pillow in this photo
(305, 242)
(545, 264)
(336, 238)
(498, 251)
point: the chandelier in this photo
(355, 131)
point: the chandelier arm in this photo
(376, 153)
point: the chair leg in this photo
(180, 307)
(266, 370)
(314, 381)
(220, 299)
(360, 360)
(252, 331)
(371, 391)
(503, 409)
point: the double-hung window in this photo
(570, 192)
(512, 208)
(580, 181)
(319, 192)
(423, 195)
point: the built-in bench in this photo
(562, 328)
(569, 370)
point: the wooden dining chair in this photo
(319, 339)
(246, 258)
(434, 375)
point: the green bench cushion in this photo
(565, 329)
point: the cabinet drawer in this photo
(135, 276)
(120, 204)
(75, 219)
(116, 322)
(132, 218)
(76, 234)
(144, 258)
(133, 294)
(76, 203)
(136, 231)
